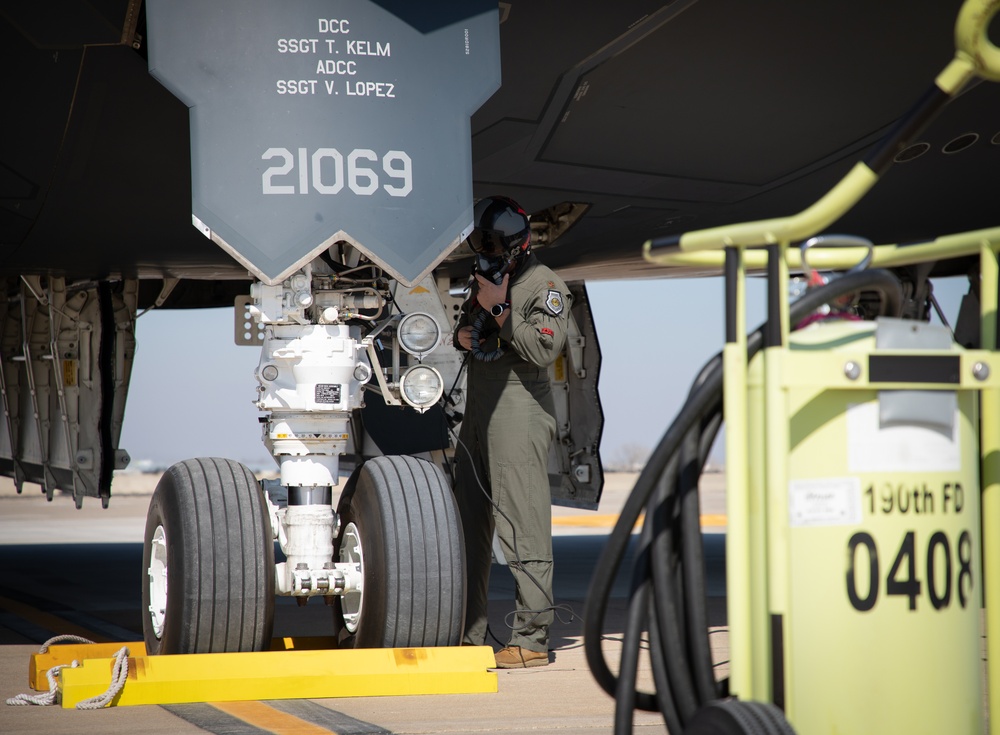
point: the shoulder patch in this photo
(554, 302)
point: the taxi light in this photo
(421, 387)
(418, 333)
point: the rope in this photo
(63, 639)
(119, 675)
(44, 699)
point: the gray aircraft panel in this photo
(313, 122)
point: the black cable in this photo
(458, 376)
(489, 632)
(626, 695)
(447, 399)
(695, 593)
(661, 683)
(693, 565)
(554, 608)
(614, 550)
(700, 415)
(661, 514)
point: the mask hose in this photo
(477, 351)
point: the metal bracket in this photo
(129, 36)
(387, 394)
(246, 330)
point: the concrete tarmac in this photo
(69, 571)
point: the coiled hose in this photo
(477, 351)
(667, 595)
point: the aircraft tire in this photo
(737, 717)
(208, 542)
(398, 514)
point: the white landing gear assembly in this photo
(389, 559)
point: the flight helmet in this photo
(501, 234)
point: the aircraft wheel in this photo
(737, 717)
(400, 528)
(208, 561)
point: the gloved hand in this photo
(490, 294)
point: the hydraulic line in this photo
(668, 585)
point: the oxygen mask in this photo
(491, 266)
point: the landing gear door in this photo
(576, 477)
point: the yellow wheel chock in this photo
(298, 669)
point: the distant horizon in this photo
(193, 389)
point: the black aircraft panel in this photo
(112, 190)
(659, 117)
(752, 101)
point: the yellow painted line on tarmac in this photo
(267, 718)
(609, 520)
(48, 621)
(589, 521)
(230, 718)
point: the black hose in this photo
(626, 696)
(660, 680)
(692, 552)
(662, 515)
(477, 331)
(694, 427)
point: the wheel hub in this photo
(158, 580)
(351, 553)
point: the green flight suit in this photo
(508, 426)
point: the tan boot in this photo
(515, 657)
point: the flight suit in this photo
(508, 426)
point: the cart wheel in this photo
(400, 528)
(736, 717)
(208, 561)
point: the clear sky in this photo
(193, 389)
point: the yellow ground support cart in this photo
(863, 485)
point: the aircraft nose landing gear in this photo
(390, 558)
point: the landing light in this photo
(418, 333)
(421, 387)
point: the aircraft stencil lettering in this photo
(266, 119)
(324, 168)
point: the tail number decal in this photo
(323, 172)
